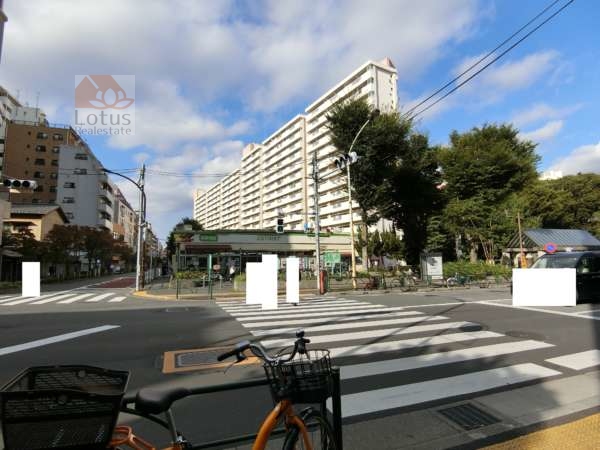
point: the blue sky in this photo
(212, 76)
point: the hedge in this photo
(476, 271)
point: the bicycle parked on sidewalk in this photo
(458, 280)
(67, 407)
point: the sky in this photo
(212, 76)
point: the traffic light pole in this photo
(315, 176)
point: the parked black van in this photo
(587, 266)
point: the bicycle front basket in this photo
(61, 407)
(305, 379)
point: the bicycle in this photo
(458, 280)
(75, 395)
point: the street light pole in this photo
(315, 175)
(372, 115)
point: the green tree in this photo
(483, 167)
(98, 245)
(64, 244)
(195, 225)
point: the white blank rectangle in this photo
(544, 287)
(268, 281)
(31, 279)
(253, 274)
(578, 361)
(292, 281)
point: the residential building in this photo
(274, 178)
(85, 192)
(124, 220)
(39, 219)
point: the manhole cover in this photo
(196, 358)
(201, 359)
(180, 310)
(468, 416)
(525, 335)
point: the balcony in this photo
(105, 223)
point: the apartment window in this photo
(39, 188)
(40, 148)
(52, 189)
(81, 156)
(35, 200)
(80, 171)
(40, 162)
(53, 176)
(58, 137)
(55, 149)
(69, 185)
(70, 215)
(68, 199)
(41, 135)
(38, 175)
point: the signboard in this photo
(331, 258)
(550, 247)
(208, 237)
(431, 266)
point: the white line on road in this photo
(301, 310)
(436, 359)
(54, 339)
(354, 350)
(345, 318)
(74, 299)
(415, 393)
(52, 299)
(272, 316)
(578, 361)
(33, 299)
(4, 300)
(117, 299)
(547, 311)
(294, 306)
(378, 333)
(345, 325)
(99, 297)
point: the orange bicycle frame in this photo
(283, 409)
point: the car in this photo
(587, 266)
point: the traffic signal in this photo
(344, 160)
(279, 229)
(14, 183)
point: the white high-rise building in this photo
(274, 178)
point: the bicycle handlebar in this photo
(259, 351)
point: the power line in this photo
(480, 60)
(458, 86)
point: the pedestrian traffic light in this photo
(279, 226)
(14, 183)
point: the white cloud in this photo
(584, 159)
(543, 133)
(542, 111)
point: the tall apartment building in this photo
(124, 219)
(274, 177)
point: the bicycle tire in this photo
(319, 430)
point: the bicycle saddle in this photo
(153, 400)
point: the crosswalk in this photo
(395, 357)
(62, 298)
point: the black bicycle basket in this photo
(304, 379)
(61, 407)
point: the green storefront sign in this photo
(208, 237)
(331, 258)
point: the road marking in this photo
(578, 361)
(415, 393)
(343, 324)
(32, 299)
(354, 350)
(300, 311)
(328, 319)
(74, 299)
(320, 339)
(97, 298)
(52, 299)
(4, 300)
(529, 308)
(116, 299)
(436, 359)
(55, 339)
(272, 316)
(290, 306)
(591, 311)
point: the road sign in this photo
(331, 258)
(550, 247)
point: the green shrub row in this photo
(476, 271)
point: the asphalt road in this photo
(423, 349)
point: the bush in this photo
(476, 271)
(190, 275)
(9, 284)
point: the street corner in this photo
(147, 296)
(201, 360)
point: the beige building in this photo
(39, 219)
(124, 219)
(274, 178)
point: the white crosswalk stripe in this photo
(63, 298)
(371, 341)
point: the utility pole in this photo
(315, 177)
(139, 282)
(522, 253)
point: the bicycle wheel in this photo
(451, 282)
(320, 434)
